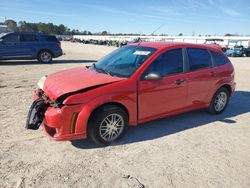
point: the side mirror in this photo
(152, 76)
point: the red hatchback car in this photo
(132, 85)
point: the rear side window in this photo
(198, 59)
(168, 63)
(11, 38)
(28, 38)
(219, 59)
(50, 38)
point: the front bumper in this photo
(67, 122)
(60, 124)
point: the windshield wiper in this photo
(101, 70)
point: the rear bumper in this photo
(58, 53)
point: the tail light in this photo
(58, 44)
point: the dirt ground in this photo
(194, 149)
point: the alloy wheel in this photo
(111, 127)
(220, 101)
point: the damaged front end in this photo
(37, 110)
(58, 120)
(36, 114)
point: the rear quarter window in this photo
(49, 38)
(198, 59)
(219, 59)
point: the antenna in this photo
(157, 28)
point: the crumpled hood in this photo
(73, 80)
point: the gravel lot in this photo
(194, 149)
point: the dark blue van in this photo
(23, 45)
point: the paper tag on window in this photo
(141, 52)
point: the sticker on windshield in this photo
(141, 52)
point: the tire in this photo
(45, 56)
(219, 101)
(248, 54)
(100, 126)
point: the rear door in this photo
(201, 76)
(159, 97)
(28, 43)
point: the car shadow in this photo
(239, 104)
(33, 62)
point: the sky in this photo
(190, 17)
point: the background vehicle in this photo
(22, 45)
(238, 50)
(216, 41)
(134, 84)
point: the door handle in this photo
(211, 73)
(179, 81)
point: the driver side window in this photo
(167, 63)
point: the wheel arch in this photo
(45, 49)
(228, 87)
(107, 106)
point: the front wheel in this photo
(219, 101)
(107, 125)
(45, 57)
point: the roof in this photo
(164, 45)
(24, 32)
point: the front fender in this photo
(84, 115)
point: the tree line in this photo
(50, 28)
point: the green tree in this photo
(104, 33)
(11, 24)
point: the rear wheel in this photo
(45, 56)
(248, 54)
(107, 125)
(219, 101)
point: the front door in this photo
(9, 47)
(157, 98)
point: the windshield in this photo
(124, 61)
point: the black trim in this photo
(212, 59)
(186, 61)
